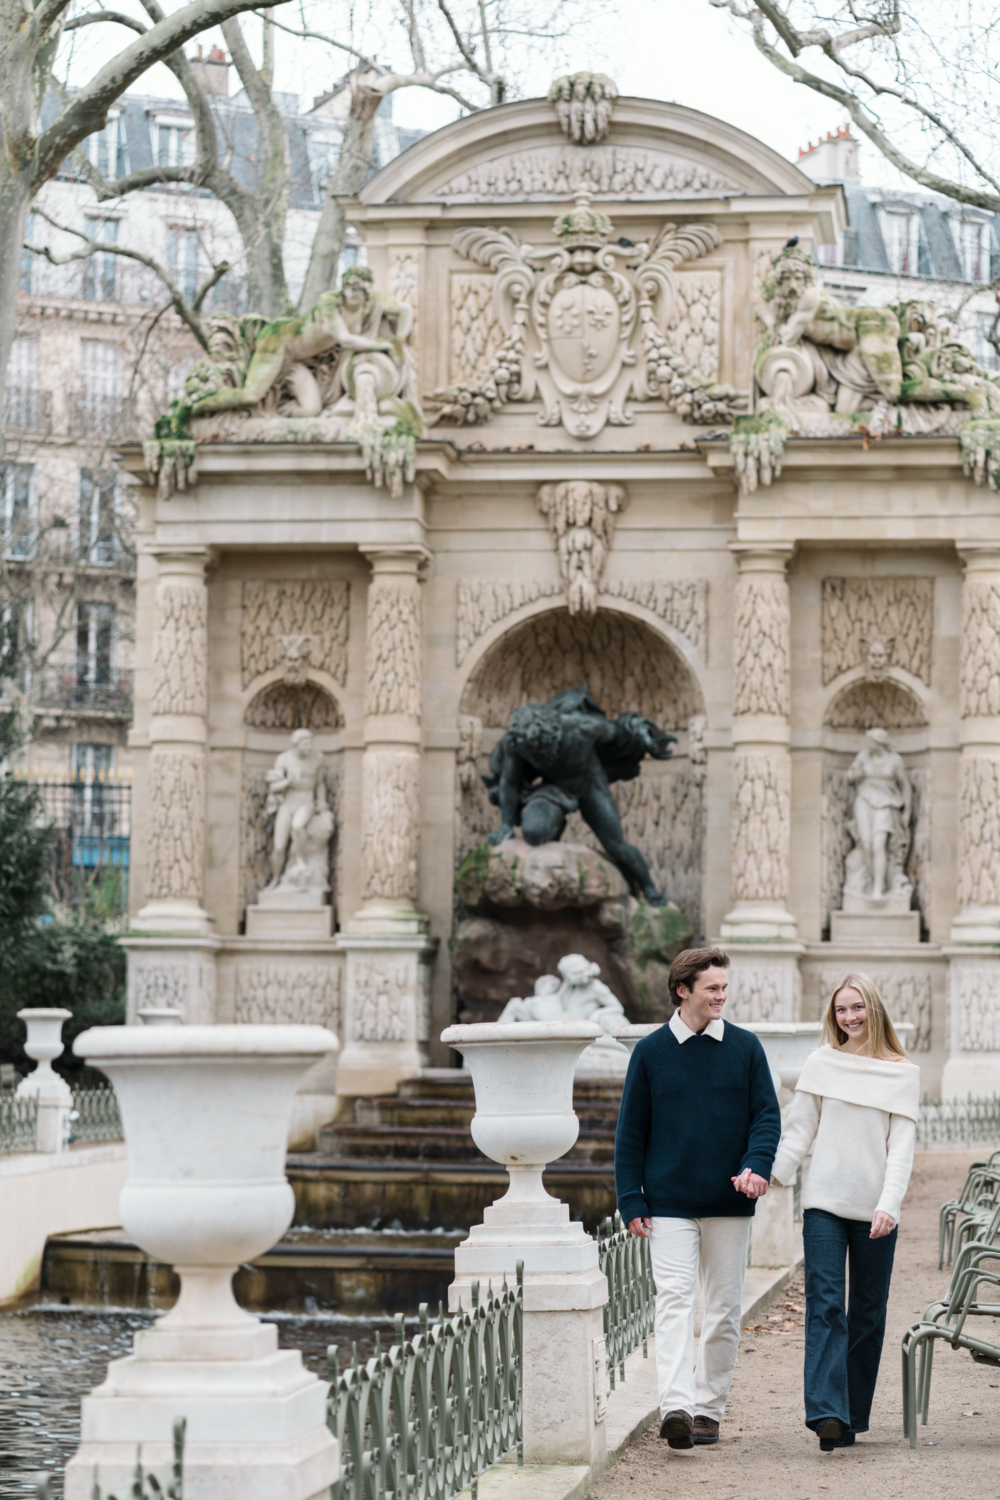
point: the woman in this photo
(855, 1108)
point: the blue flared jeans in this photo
(843, 1347)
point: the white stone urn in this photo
(522, 1072)
(633, 1033)
(44, 1043)
(205, 1111)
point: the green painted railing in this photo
(630, 1310)
(18, 1122)
(95, 1116)
(424, 1420)
(959, 1122)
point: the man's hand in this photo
(640, 1227)
(748, 1182)
(882, 1224)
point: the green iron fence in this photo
(95, 1116)
(18, 1122)
(428, 1417)
(959, 1122)
(630, 1310)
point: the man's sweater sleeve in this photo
(765, 1118)
(630, 1141)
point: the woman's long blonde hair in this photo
(882, 1039)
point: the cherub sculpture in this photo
(561, 756)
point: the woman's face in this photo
(851, 1016)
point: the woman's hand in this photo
(882, 1224)
(748, 1182)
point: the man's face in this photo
(704, 1001)
(355, 292)
(305, 745)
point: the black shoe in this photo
(846, 1440)
(829, 1432)
(678, 1429)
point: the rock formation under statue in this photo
(560, 757)
(530, 905)
(577, 995)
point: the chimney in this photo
(834, 159)
(212, 72)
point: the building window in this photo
(986, 354)
(98, 517)
(15, 634)
(100, 269)
(102, 372)
(175, 141)
(182, 259)
(901, 236)
(94, 644)
(974, 249)
(106, 149)
(17, 509)
(25, 406)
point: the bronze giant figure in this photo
(563, 755)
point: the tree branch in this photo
(95, 17)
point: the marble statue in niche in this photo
(578, 994)
(880, 825)
(303, 827)
(560, 757)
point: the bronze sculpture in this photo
(560, 756)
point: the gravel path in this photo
(765, 1452)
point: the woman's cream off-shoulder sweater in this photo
(858, 1115)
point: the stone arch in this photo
(880, 702)
(628, 665)
(294, 705)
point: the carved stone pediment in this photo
(606, 171)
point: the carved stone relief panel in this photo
(582, 516)
(979, 831)
(755, 995)
(476, 331)
(292, 620)
(979, 681)
(390, 844)
(404, 284)
(392, 646)
(285, 705)
(898, 612)
(175, 863)
(906, 994)
(180, 647)
(876, 705)
(976, 998)
(484, 602)
(626, 665)
(561, 172)
(761, 649)
(158, 983)
(693, 321)
(381, 1003)
(257, 830)
(292, 994)
(761, 818)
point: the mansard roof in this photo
(517, 153)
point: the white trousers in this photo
(684, 1253)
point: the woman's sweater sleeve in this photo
(898, 1165)
(798, 1132)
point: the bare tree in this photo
(30, 156)
(915, 77)
(440, 48)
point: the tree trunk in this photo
(348, 177)
(15, 201)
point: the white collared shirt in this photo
(715, 1029)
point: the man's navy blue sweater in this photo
(692, 1117)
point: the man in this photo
(697, 1133)
(291, 796)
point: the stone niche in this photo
(498, 953)
(867, 703)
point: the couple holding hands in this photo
(700, 1138)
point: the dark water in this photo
(51, 1357)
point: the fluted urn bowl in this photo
(523, 1076)
(205, 1111)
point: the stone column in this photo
(174, 874)
(387, 999)
(973, 1065)
(759, 932)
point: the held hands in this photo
(882, 1224)
(640, 1227)
(748, 1182)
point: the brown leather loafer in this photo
(705, 1430)
(678, 1429)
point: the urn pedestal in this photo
(523, 1077)
(44, 1043)
(205, 1111)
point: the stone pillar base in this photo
(172, 917)
(772, 1238)
(172, 973)
(386, 1009)
(758, 921)
(764, 980)
(256, 1427)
